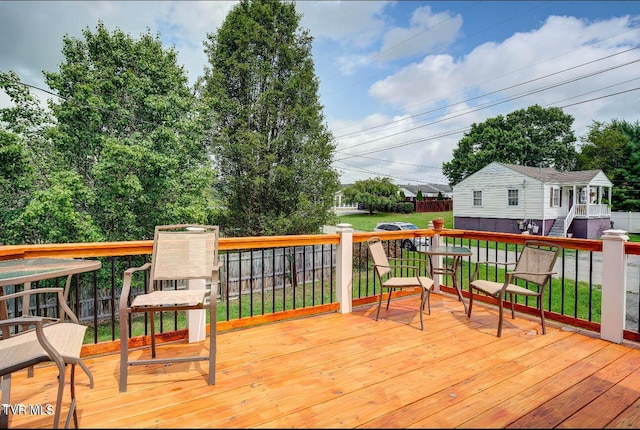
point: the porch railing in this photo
(592, 210)
(568, 220)
(266, 279)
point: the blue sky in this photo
(400, 81)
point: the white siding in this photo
(494, 180)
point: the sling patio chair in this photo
(180, 253)
(533, 268)
(389, 281)
(36, 339)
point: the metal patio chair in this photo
(391, 282)
(180, 253)
(534, 268)
(36, 339)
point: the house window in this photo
(555, 197)
(477, 198)
(582, 198)
(512, 197)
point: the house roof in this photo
(552, 175)
(427, 188)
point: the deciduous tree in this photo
(373, 193)
(614, 148)
(536, 137)
(126, 125)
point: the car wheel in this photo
(408, 245)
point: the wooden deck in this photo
(337, 370)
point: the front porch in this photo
(348, 370)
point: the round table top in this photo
(446, 250)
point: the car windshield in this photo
(409, 227)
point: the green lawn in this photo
(366, 222)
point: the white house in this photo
(542, 201)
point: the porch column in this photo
(614, 285)
(344, 268)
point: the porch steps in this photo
(557, 230)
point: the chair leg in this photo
(124, 350)
(470, 302)
(58, 407)
(500, 314)
(513, 312)
(428, 294)
(73, 408)
(389, 298)
(423, 298)
(212, 340)
(88, 372)
(380, 303)
(153, 335)
(544, 329)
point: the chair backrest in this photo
(537, 256)
(184, 251)
(379, 256)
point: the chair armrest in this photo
(131, 270)
(30, 320)
(126, 284)
(504, 263)
(65, 309)
(405, 259)
(474, 275)
(530, 273)
(399, 266)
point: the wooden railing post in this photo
(614, 285)
(344, 268)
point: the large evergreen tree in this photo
(126, 126)
(536, 137)
(271, 147)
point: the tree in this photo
(373, 193)
(39, 203)
(127, 127)
(58, 213)
(536, 137)
(265, 123)
(419, 196)
(614, 148)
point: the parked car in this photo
(408, 244)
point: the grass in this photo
(366, 222)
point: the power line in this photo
(504, 99)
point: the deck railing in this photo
(266, 279)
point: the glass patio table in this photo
(27, 270)
(456, 253)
